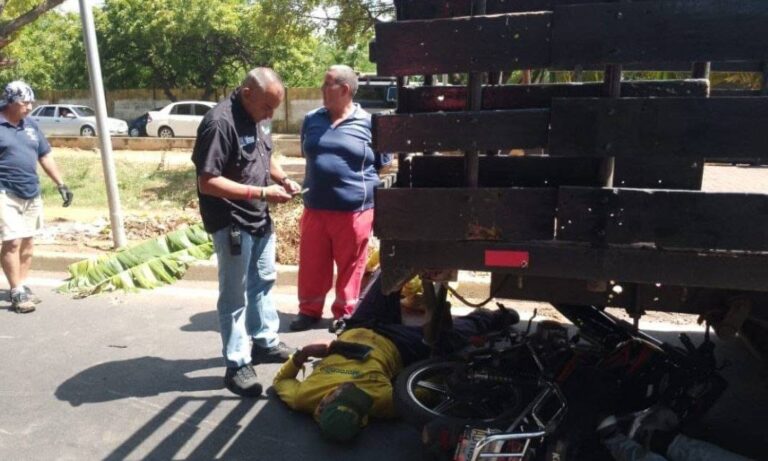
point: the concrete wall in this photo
(129, 104)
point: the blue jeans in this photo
(245, 306)
(682, 448)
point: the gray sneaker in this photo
(21, 303)
(32, 296)
(243, 381)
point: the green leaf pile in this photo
(148, 265)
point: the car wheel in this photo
(87, 130)
(134, 132)
(165, 132)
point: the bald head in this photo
(261, 92)
(260, 78)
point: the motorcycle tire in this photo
(418, 412)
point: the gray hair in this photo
(345, 76)
(260, 78)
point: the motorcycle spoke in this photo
(445, 405)
(435, 387)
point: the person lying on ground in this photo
(653, 435)
(342, 392)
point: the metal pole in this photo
(97, 91)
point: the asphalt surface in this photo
(137, 376)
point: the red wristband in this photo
(249, 194)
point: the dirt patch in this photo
(63, 235)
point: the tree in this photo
(205, 44)
(15, 14)
(49, 54)
(349, 21)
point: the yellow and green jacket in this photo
(374, 375)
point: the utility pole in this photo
(97, 91)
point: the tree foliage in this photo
(15, 14)
(49, 54)
(205, 44)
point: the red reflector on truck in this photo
(499, 258)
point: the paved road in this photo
(138, 377)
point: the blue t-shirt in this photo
(20, 148)
(341, 168)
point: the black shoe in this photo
(21, 303)
(338, 326)
(242, 381)
(303, 322)
(275, 354)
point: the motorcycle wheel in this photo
(438, 389)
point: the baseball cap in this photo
(16, 91)
(345, 416)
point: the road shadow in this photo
(139, 377)
(247, 429)
(209, 321)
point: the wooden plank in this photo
(587, 35)
(681, 66)
(467, 44)
(661, 31)
(434, 9)
(658, 173)
(725, 270)
(571, 291)
(460, 131)
(498, 97)
(465, 214)
(647, 297)
(664, 219)
(505, 171)
(670, 127)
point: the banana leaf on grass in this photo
(149, 264)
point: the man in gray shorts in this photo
(22, 146)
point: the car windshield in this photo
(84, 111)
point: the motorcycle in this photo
(536, 395)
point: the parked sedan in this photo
(72, 120)
(177, 119)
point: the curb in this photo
(470, 285)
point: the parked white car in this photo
(72, 120)
(177, 119)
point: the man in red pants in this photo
(340, 178)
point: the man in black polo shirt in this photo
(233, 159)
(22, 147)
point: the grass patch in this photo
(142, 186)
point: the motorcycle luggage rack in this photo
(551, 390)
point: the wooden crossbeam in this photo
(669, 127)
(658, 173)
(484, 43)
(505, 171)
(583, 262)
(663, 219)
(588, 34)
(434, 9)
(495, 97)
(652, 297)
(461, 130)
(585, 127)
(466, 214)
(660, 31)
